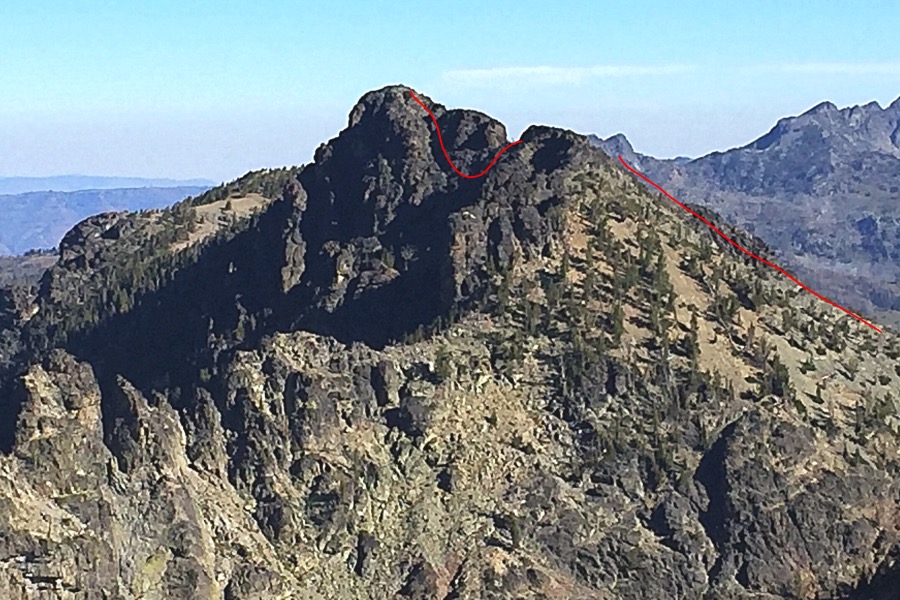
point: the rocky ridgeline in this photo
(396, 382)
(821, 189)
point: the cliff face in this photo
(392, 381)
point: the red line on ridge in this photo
(745, 251)
(441, 140)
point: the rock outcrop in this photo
(396, 382)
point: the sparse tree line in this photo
(268, 183)
(130, 271)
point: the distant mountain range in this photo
(821, 188)
(39, 219)
(74, 183)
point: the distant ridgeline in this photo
(39, 219)
(107, 262)
(27, 251)
(77, 183)
(822, 189)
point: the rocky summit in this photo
(370, 378)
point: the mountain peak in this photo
(822, 107)
(615, 145)
(619, 138)
(620, 141)
(391, 114)
(392, 100)
(508, 360)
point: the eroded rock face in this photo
(17, 306)
(764, 477)
(255, 429)
(313, 472)
(84, 244)
(386, 221)
(74, 524)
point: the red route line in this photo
(441, 140)
(745, 251)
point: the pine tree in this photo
(443, 364)
(705, 251)
(600, 344)
(693, 343)
(602, 228)
(554, 294)
(532, 314)
(787, 319)
(694, 268)
(589, 282)
(503, 292)
(661, 277)
(775, 380)
(618, 322)
(631, 276)
(781, 381)
(758, 296)
(807, 366)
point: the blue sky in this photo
(212, 89)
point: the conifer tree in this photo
(443, 364)
(618, 321)
(589, 283)
(775, 380)
(693, 340)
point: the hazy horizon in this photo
(213, 90)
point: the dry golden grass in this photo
(214, 216)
